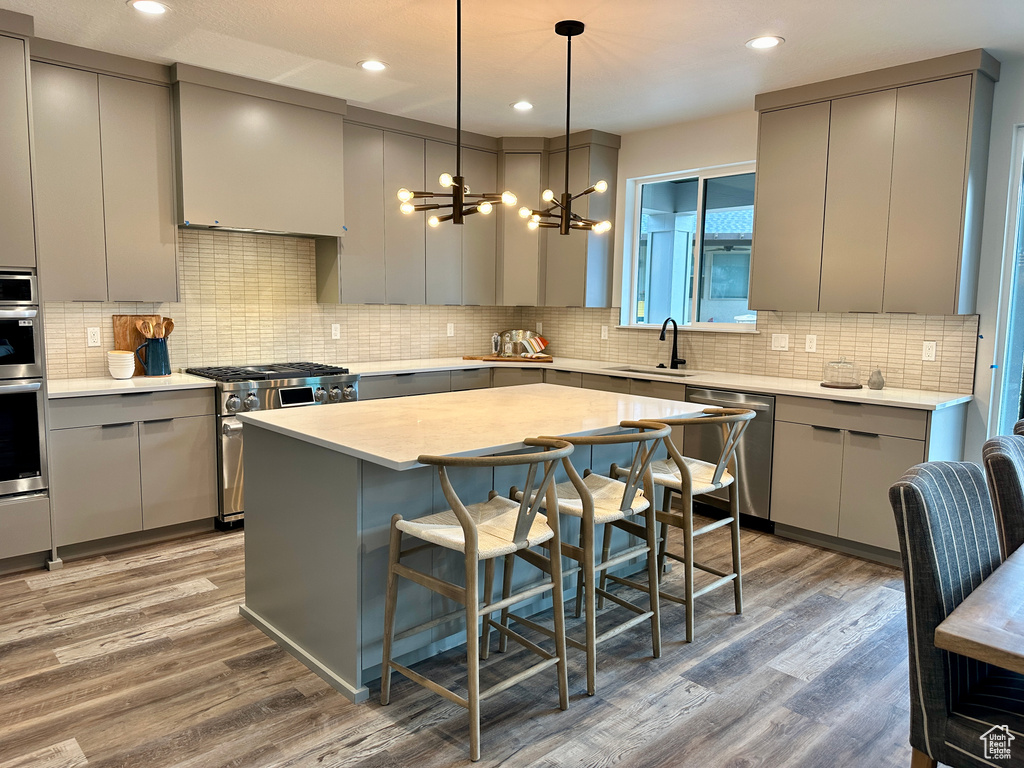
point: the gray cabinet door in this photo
(926, 208)
(404, 235)
(69, 184)
(94, 482)
(479, 233)
(470, 378)
(512, 377)
(789, 209)
(605, 383)
(404, 384)
(179, 470)
(520, 247)
(871, 463)
(138, 190)
(24, 525)
(252, 162)
(362, 248)
(17, 241)
(443, 272)
(565, 273)
(807, 471)
(563, 378)
(857, 205)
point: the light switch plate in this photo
(93, 337)
(540, 327)
(451, 329)
(604, 332)
(335, 330)
(928, 351)
(780, 342)
(810, 343)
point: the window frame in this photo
(631, 247)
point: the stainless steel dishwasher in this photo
(754, 452)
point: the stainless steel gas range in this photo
(261, 388)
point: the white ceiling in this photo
(640, 63)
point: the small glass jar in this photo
(841, 374)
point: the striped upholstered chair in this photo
(1004, 470)
(949, 543)
(1018, 428)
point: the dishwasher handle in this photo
(728, 403)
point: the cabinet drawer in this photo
(133, 406)
(563, 378)
(605, 383)
(471, 378)
(510, 377)
(402, 384)
(662, 389)
(858, 417)
(24, 526)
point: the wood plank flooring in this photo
(141, 659)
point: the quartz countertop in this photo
(773, 385)
(58, 388)
(477, 422)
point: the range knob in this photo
(233, 404)
(349, 393)
(252, 403)
(336, 395)
(320, 395)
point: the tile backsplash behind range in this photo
(247, 298)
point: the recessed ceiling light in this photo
(148, 6)
(767, 41)
(373, 65)
(522, 106)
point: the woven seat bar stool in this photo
(687, 477)
(599, 500)
(481, 532)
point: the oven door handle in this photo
(12, 314)
(7, 389)
(230, 430)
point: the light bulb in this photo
(766, 41)
(445, 180)
(407, 207)
(601, 186)
(508, 198)
(532, 224)
(485, 207)
(535, 217)
(148, 6)
(404, 195)
(602, 226)
(372, 65)
(547, 196)
(465, 189)
(433, 221)
(525, 212)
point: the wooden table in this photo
(989, 624)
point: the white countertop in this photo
(773, 385)
(57, 388)
(477, 422)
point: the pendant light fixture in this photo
(461, 202)
(559, 213)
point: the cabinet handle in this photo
(158, 421)
(135, 394)
(845, 402)
(119, 424)
(470, 370)
(728, 403)
(863, 434)
(405, 374)
(825, 429)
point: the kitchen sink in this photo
(650, 369)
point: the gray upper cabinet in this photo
(792, 156)
(17, 238)
(520, 247)
(362, 248)
(444, 243)
(857, 206)
(251, 162)
(104, 187)
(479, 233)
(404, 234)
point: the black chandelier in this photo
(559, 213)
(461, 202)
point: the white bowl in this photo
(123, 374)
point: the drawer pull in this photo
(845, 402)
(158, 421)
(119, 424)
(825, 429)
(135, 394)
(863, 434)
(404, 374)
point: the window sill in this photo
(704, 328)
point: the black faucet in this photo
(676, 359)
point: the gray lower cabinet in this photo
(104, 187)
(403, 384)
(24, 525)
(178, 469)
(563, 378)
(471, 378)
(17, 240)
(807, 471)
(605, 383)
(511, 377)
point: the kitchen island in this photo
(323, 483)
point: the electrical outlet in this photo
(780, 342)
(93, 337)
(540, 327)
(928, 351)
(810, 343)
(451, 329)
(335, 330)
(604, 332)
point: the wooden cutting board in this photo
(127, 336)
(499, 359)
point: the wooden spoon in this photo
(168, 326)
(145, 328)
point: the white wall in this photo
(995, 269)
(723, 140)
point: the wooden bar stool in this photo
(482, 531)
(689, 478)
(599, 500)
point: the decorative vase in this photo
(875, 380)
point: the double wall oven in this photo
(22, 431)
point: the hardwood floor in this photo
(141, 659)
